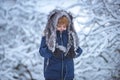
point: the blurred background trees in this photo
(97, 23)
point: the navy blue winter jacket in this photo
(57, 68)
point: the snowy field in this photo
(97, 23)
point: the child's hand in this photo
(58, 52)
(71, 52)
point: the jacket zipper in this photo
(62, 57)
(65, 73)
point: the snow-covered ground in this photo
(97, 23)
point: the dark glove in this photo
(57, 52)
(71, 52)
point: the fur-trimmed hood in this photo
(50, 30)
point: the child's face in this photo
(61, 27)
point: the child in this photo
(59, 45)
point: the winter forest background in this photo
(97, 23)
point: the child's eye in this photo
(58, 26)
(64, 26)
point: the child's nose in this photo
(62, 28)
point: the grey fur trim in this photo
(62, 48)
(51, 42)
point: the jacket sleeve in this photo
(43, 50)
(78, 52)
